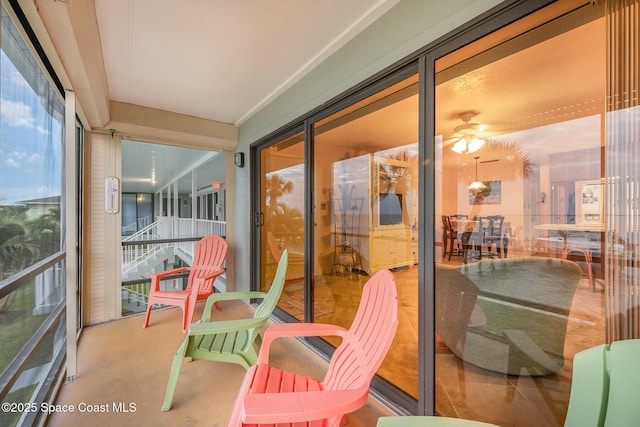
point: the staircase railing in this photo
(154, 239)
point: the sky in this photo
(30, 141)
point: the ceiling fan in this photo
(467, 136)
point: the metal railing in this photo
(151, 240)
(37, 334)
(143, 249)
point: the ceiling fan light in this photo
(475, 144)
(460, 146)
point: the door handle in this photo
(258, 219)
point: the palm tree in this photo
(400, 179)
(277, 187)
(16, 248)
(45, 231)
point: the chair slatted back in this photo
(269, 303)
(208, 256)
(604, 386)
(494, 229)
(362, 350)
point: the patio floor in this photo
(122, 365)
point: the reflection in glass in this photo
(366, 215)
(519, 291)
(282, 210)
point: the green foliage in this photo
(24, 241)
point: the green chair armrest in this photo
(222, 326)
(227, 296)
(427, 421)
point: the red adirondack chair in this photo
(209, 254)
(269, 395)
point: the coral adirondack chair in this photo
(208, 256)
(270, 396)
(231, 341)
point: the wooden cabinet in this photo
(380, 233)
(389, 248)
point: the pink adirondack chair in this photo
(208, 256)
(269, 395)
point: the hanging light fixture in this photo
(477, 187)
(468, 141)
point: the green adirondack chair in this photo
(232, 341)
(604, 389)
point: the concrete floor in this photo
(120, 363)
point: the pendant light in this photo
(477, 187)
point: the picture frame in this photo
(491, 195)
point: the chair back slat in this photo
(269, 303)
(362, 350)
(208, 256)
(604, 386)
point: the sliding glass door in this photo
(510, 223)
(281, 219)
(520, 241)
(365, 186)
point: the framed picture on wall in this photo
(491, 195)
(590, 205)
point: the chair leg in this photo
(178, 359)
(187, 313)
(444, 244)
(146, 317)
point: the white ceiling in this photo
(221, 59)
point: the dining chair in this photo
(452, 240)
(493, 235)
(446, 235)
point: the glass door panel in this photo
(282, 187)
(366, 215)
(519, 265)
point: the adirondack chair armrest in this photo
(301, 406)
(156, 277)
(214, 274)
(217, 327)
(227, 296)
(211, 277)
(284, 330)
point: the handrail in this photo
(15, 368)
(147, 230)
(154, 241)
(154, 238)
(20, 279)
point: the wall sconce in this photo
(238, 159)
